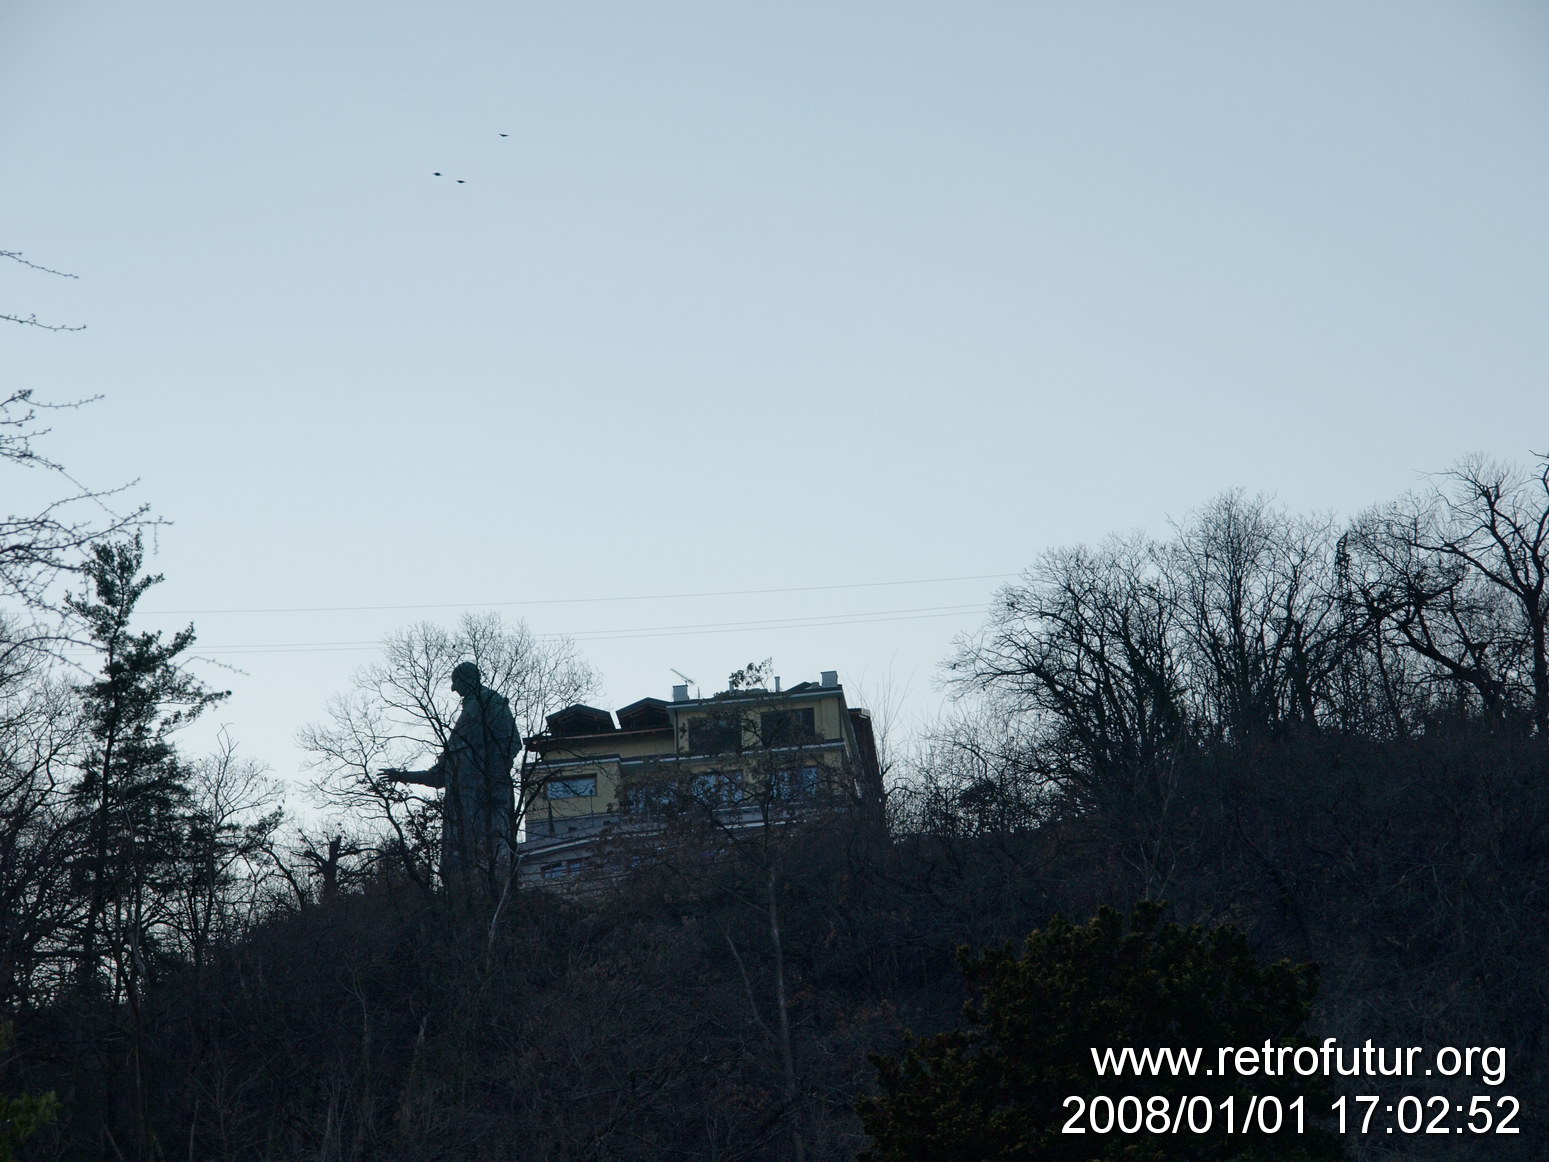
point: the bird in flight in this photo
(505, 135)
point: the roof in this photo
(646, 714)
(579, 719)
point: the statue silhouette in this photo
(474, 771)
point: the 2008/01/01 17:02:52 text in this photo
(1198, 1114)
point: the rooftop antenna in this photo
(687, 681)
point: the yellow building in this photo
(743, 757)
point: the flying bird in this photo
(505, 135)
(436, 174)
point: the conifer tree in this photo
(21, 1115)
(132, 793)
(998, 1091)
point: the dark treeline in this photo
(1332, 737)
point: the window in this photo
(792, 785)
(650, 796)
(717, 788)
(577, 788)
(715, 735)
(789, 727)
(674, 795)
(562, 869)
(730, 787)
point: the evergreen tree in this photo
(998, 1090)
(135, 815)
(132, 793)
(21, 1115)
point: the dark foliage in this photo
(1001, 1089)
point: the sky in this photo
(734, 331)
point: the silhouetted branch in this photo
(32, 320)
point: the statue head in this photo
(466, 678)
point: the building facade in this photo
(740, 759)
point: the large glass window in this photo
(717, 788)
(650, 795)
(801, 783)
(575, 788)
(788, 727)
(718, 734)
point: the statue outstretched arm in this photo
(430, 778)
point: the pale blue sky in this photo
(753, 296)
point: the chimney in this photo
(830, 678)
(680, 693)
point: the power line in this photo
(815, 621)
(804, 625)
(580, 600)
(775, 622)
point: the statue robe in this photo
(478, 807)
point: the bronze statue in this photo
(477, 809)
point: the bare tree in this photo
(1495, 522)
(234, 811)
(1459, 577)
(1260, 611)
(358, 740)
(38, 548)
(1090, 648)
(972, 774)
(32, 320)
(42, 735)
(1105, 673)
(402, 709)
